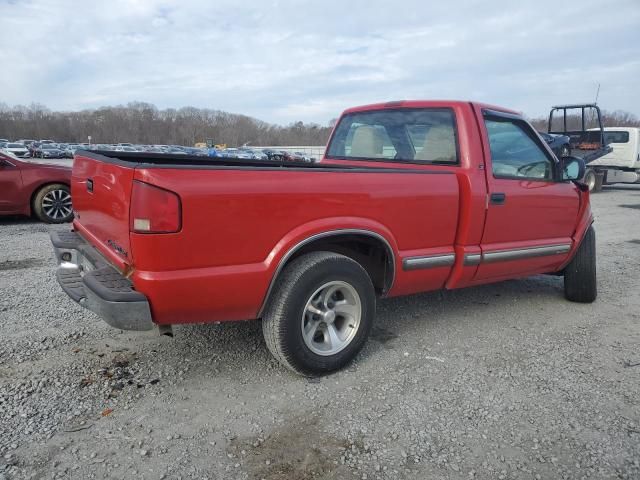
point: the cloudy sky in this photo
(282, 61)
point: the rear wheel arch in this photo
(370, 249)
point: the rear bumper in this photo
(88, 279)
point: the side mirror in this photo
(573, 168)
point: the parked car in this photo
(25, 142)
(469, 195)
(275, 155)
(18, 149)
(48, 150)
(175, 151)
(560, 144)
(71, 150)
(35, 189)
(4, 140)
(33, 146)
(257, 154)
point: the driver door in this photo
(531, 215)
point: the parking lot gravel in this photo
(506, 381)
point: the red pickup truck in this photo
(410, 197)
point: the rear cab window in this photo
(422, 135)
(612, 136)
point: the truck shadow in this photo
(18, 220)
(238, 346)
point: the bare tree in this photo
(143, 123)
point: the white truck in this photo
(621, 165)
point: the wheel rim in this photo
(331, 318)
(56, 204)
(590, 180)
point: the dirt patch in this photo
(21, 264)
(635, 240)
(635, 206)
(300, 450)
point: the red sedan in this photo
(29, 188)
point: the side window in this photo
(413, 135)
(514, 153)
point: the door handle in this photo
(497, 198)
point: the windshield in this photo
(14, 145)
(48, 146)
(414, 135)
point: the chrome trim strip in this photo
(520, 253)
(432, 261)
(472, 259)
(349, 231)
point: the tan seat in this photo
(439, 145)
(366, 143)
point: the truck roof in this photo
(624, 129)
(426, 104)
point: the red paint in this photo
(238, 224)
(20, 180)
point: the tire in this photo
(298, 294)
(590, 179)
(52, 204)
(580, 279)
(599, 182)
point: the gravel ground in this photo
(506, 381)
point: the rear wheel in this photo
(320, 314)
(580, 279)
(52, 204)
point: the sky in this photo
(284, 61)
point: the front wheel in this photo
(580, 280)
(590, 179)
(320, 314)
(52, 204)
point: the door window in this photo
(514, 152)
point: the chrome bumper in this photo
(88, 279)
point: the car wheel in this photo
(52, 204)
(320, 314)
(565, 151)
(590, 179)
(580, 279)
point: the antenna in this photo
(597, 93)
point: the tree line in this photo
(144, 123)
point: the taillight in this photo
(154, 209)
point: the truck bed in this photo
(240, 216)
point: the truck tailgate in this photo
(101, 195)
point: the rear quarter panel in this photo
(238, 224)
